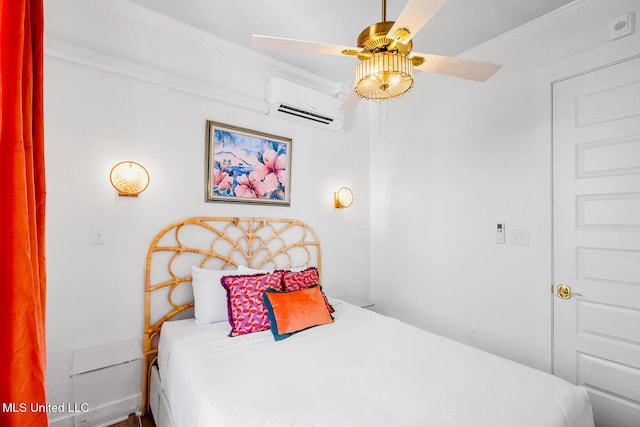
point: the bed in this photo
(358, 369)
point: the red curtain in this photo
(22, 215)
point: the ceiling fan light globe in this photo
(394, 79)
(384, 75)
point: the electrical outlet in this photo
(473, 334)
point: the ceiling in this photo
(460, 24)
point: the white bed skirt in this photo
(160, 409)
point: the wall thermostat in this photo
(500, 233)
(622, 26)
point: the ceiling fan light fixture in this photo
(384, 75)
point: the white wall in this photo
(457, 157)
(122, 83)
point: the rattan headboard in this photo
(219, 243)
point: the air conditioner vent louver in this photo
(298, 103)
(304, 114)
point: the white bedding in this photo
(363, 370)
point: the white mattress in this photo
(363, 370)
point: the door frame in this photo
(591, 60)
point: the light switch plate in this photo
(519, 237)
(98, 234)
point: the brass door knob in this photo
(564, 292)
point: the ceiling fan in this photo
(385, 52)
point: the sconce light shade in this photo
(129, 178)
(343, 198)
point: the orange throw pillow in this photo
(294, 311)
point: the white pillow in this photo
(246, 270)
(209, 296)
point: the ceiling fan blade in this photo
(351, 101)
(413, 17)
(456, 67)
(280, 43)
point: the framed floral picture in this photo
(247, 166)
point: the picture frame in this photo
(247, 166)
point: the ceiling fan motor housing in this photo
(374, 39)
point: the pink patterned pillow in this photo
(247, 312)
(294, 281)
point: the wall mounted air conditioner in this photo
(292, 101)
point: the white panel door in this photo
(596, 167)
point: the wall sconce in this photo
(343, 198)
(129, 178)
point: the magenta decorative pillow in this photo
(294, 281)
(247, 312)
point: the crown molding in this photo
(144, 15)
(552, 18)
(110, 64)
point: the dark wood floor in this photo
(146, 421)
